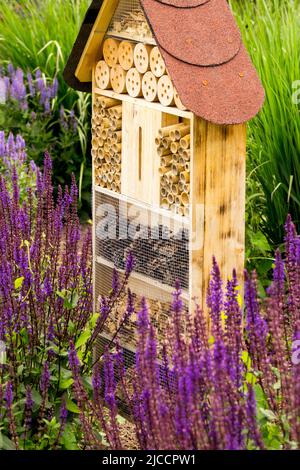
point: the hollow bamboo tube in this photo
(94, 152)
(157, 64)
(181, 161)
(177, 168)
(104, 122)
(186, 155)
(101, 153)
(118, 169)
(97, 101)
(179, 132)
(180, 210)
(185, 142)
(103, 112)
(104, 134)
(177, 200)
(166, 160)
(106, 102)
(186, 188)
(109, 141)
(178, 102)
(163, 191)
(134, 83)
(149, 87)
(125, 54)
(106, 147)
(166, 142)
(102, 77)
(111, 154)
(98, 119)
(171, 178)
(165, 131)
(117, 148)
(181, 186)
(113, 186)
(185, 199)
(175, 158)
(171, 198)
(116, 137)
(165, 91)
(187, 166)
(141, 57)
(110, 177)
(118, 157)
(118, 79)
(185, 176)
(164, 170)
(182, 132)
(175, 189)
(110, 132)
(110, 51)
(94, 142)
(174, 147)
(116, 111)
(158, 141)
(116, 125)
(164, 203)
(161, 151)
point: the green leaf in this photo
(65, 383)
(18, 282)
(36, 397)
(69, 439)
(71, 406)
(6, 443)
(268, 414)
(83, 338)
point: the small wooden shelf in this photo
(123, 35)
(184, 221)
(141, 101)
(143, 279)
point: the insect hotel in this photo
(172, 88)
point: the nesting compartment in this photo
(107, 142)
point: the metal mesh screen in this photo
(160, 244)
(129, 22)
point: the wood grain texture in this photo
(218, 202)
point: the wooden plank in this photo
(93, 213)
(224, 230)
(141, 283)
(198, 162)
(140, 127)
(92, 50)
(146, 104)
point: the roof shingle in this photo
(204, 54)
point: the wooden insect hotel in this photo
(172, 88)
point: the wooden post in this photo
(218, 202)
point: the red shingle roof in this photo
(205, 57)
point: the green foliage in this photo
(271, 30)
(40, 34)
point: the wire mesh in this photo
(129, 22)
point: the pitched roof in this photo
(205, 57)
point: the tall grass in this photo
(271, 30)
(40, 34)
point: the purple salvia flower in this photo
(45, 379)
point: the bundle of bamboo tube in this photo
(107, 142)
(138, 70)
(173, 148)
